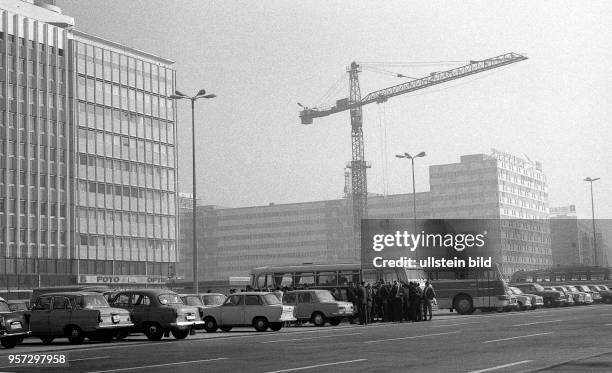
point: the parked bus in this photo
(467, 289)
(571, 275)
(460, 289)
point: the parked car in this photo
(580, 297)
(604, 291)
(569, 298)
(77, 315)
(552, 298)
(212, 299)
(158, 312)
(595, 294)
(523, 301)
(13, 326)
(317, 306)
(261, 310)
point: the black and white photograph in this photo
(276, 186)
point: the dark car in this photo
(157, 312)
(13, 326)
(552, 298)
(604, 292)
(77, 315)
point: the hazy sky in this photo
(262, 57)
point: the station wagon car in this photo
(258, 309)
(13, 326)
(317, 306)
(158, 312)
(77, 315)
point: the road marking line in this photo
(303, 339)
(317, 366)
(411, 337)
(89, 358)
(501, 366)
(462, 323)
(159, 365)
(608, 325)
(521, 336)
(538, 322)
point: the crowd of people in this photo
(391, 302)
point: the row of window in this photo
(132, 249)
(9, 205)
(44, 180)
(125, 123)
(104, 93)
(117, 223)
(126, 148)
(118, 197)
(109, 65)
(22, 236)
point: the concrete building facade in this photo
(87, 155)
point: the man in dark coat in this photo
(428, 295)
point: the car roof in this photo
(69, 294)
(252, 293)
(147, 291)
(205, 294)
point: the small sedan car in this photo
(318, 306)
(604, 292)
(158, 312)
(523, 301)
(595, 294)
(13, 326)
(580, 297)
(258, 309)
(569, 298)
(77, 315)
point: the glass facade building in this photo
(87, 156)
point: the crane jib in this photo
(474, 67)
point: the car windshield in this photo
(538, 287)
(4, 307)
(169, 299)
(572, 289)
(271, 299)
(516, 291)
(213, 300)
(603, 287)
(93, 301)
(325, 296)
(584, 288)
(193, 301)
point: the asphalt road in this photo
(577, 339)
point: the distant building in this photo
(87, 155)
(500, 186)
(572, 239)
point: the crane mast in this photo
(355, 102)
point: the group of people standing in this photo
(395, 302)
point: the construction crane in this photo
(355, 102)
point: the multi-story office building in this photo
(498, 186)
(87, 155)
(572, 239)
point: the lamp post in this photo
(179, 96)
(408, 156)
(591, 180)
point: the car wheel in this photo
(154, 332)
(210, 325)
(548, 302)
(47, 340)
(260, 324)
(335, 321)
(463, 304)
(75, 335)
(318, 319)
(276, 326)
(180, 334)
(9, 342)
(226, 328)
(121, 334)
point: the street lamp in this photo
(591, 180)
(408, 156)
(180, 96)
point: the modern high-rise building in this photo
(87, 155)
(503, 187)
